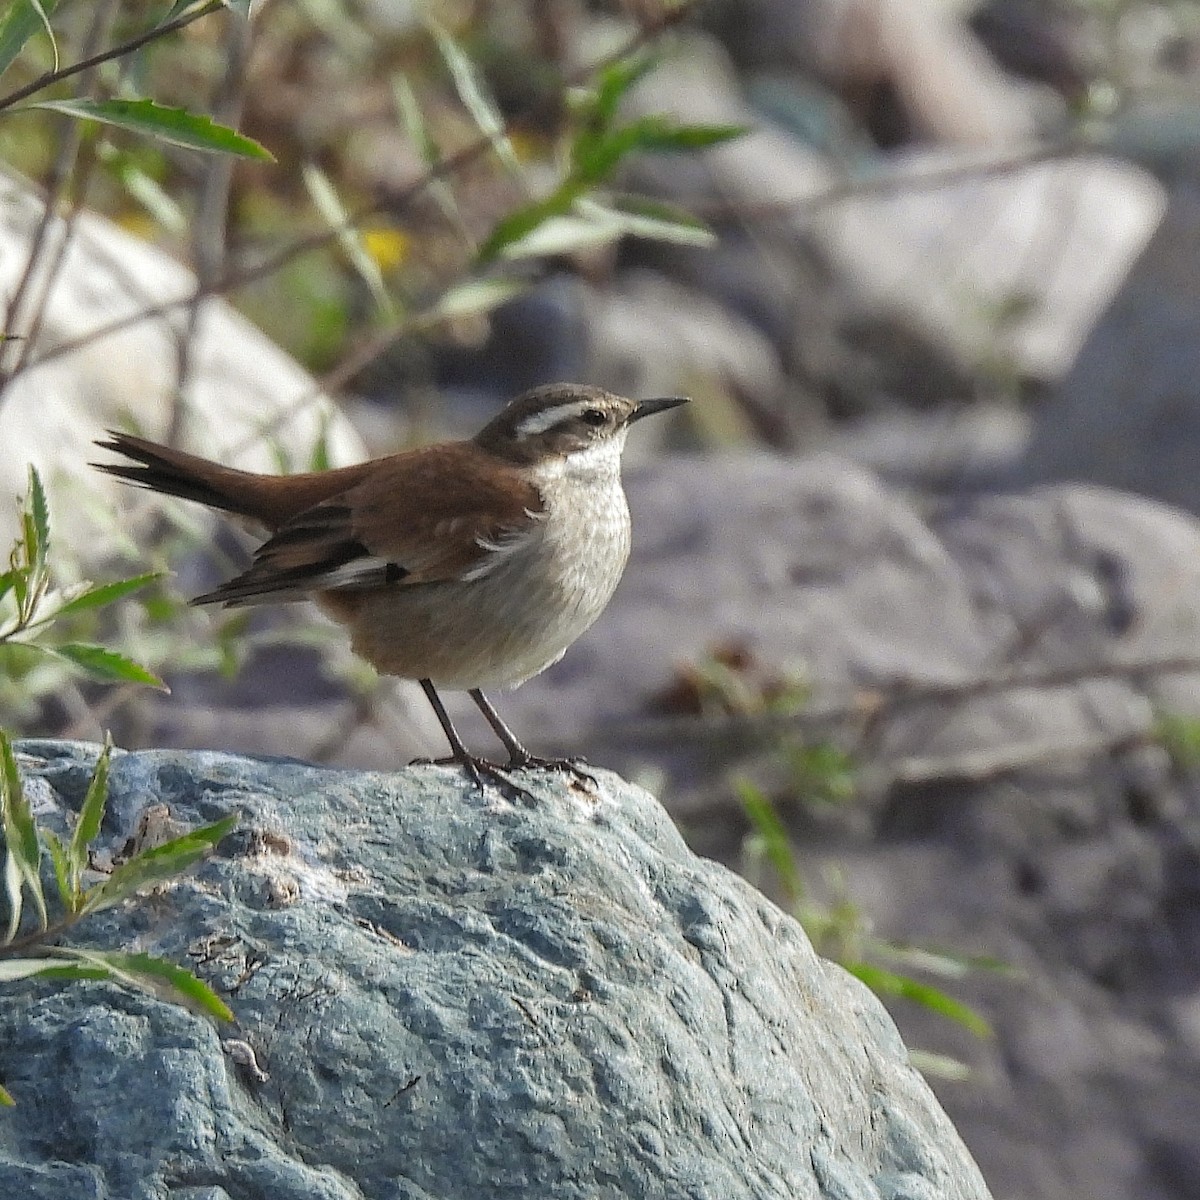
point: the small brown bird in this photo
(463, 565)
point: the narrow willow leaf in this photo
(141, 187)
(411, 117)
(174, 125)
(473, 297)
(944, 963)
(622, 223)
(477, 100)
(413, 120)
(520, 224)
(615, 80)
(561, 235)
(656, 210)
(761, 812)
(329, 205)
(18, 24)
(87, 826)
(20, 832)
(661, 135)
(40, 9)
(179, 8)
(39, 515)
(163, 978)
(105, 664)
(157, 865)
(13, 969)
(62, 868)
(888, 983)
(99, 595)
(939, 1066)
(13, 893)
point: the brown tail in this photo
(271, 499)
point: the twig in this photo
(868, 704)
(94, 60)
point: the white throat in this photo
(599, 461)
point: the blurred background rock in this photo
(952, 301)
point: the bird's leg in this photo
(478, 770)
(518, 756)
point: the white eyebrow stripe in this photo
(537, 423)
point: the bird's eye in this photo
(592, 416)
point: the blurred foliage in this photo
(817, 774)
(386, 156)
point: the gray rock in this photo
(1128, 413)
(457, 996)
(986, 259)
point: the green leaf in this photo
(40, 9)
(14, 969)
(105, 664)
(23, 849)
(615, 80)
(178, 9)
(627, 222)
(156, 975)
(521, 223)
(775, 841)
(888, 983)
(39, 515)
(472, 297)
(142, 187)
(99, 595)
(87, 825)
(174, 125)
(943, 963)
(478, 102)
(415, 126)
(62, 868)
(330, 206)
(662, 135)
(22, 20)
(413, 120)
(157, 865)
(6, 1100)
(939, 1066)
(14, 894)
(594, 159)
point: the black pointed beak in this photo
(647, 408)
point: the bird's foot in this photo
(565, 766)
(481, 772)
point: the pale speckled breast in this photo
(515, 620)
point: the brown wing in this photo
(435, 514)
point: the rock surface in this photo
(1128, 413)
(456, 996)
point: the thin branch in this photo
(85, 64)
(37, 937)
(869, 703)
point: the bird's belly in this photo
(499, 629)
